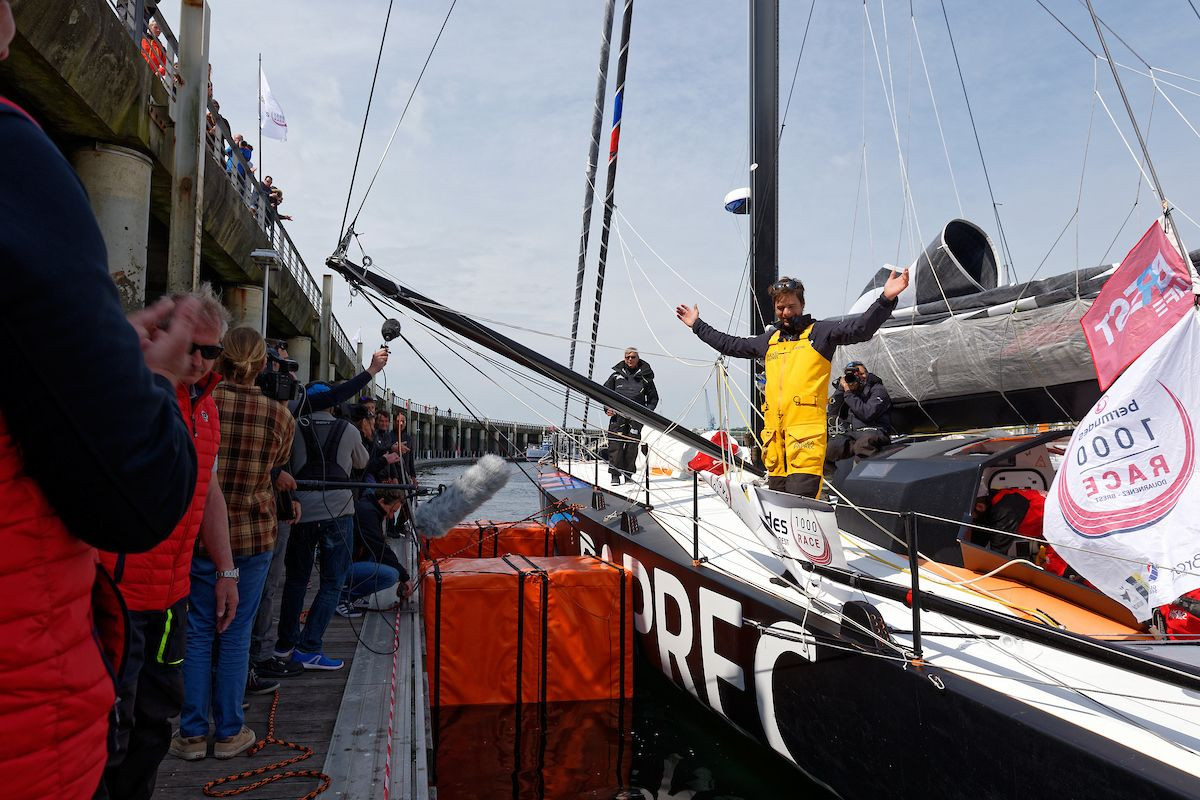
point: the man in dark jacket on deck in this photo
(863, 401)
(797, 353)
(633, 379)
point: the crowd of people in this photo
(142, 589)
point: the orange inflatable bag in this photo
(489, 539)
(516, 629)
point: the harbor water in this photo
(666, 742)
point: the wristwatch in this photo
(228, 573)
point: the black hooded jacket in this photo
(868, 406)
(637, 383)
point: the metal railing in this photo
(421, 408)
(164, 62)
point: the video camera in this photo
(277, 381)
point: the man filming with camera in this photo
(860, 398)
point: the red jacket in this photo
(55, 690)
(157, 579)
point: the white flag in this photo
(274, 124)
(1121, 511)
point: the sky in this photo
(478, 204)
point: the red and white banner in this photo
(1149, 292)
(1122, 510)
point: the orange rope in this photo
(305, 752)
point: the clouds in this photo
(478, 203)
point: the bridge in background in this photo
(116, 101)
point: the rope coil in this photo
(305, 752)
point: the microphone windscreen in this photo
(486, 477)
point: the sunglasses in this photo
(209, 352)
(788, 285)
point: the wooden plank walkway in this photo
(342, 715)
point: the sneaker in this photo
(236, 744)
(258, 685)
(189, 748)
(348, 610)
(316, 661)
(277, 667)
(616, 480)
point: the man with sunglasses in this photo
(798, 354)
(156, 584)
(633, 379)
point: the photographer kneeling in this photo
(861, 398)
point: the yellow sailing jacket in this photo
(794, 432)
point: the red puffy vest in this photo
(55, 690)
(157, 579)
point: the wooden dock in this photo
(368, 723)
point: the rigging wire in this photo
(589, 199)
(936, 115)
(795, 73)
(403, 113)
(1010, 268)
(366, 115)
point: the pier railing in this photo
(161, 53)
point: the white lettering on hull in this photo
(715, 606)
(674, 646)
(792, 639)
(643, 620)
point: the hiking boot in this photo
(239, 743)
(257, 685)
(189, 748)
(276, 667)
(316, 661)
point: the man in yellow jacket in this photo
(798, 355)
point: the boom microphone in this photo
(486, 477)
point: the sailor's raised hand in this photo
(687, 316)
(896, 283)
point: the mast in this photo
(764, 170)
(518, 353)
(589, 191)
(613, 144)
(1158, 187)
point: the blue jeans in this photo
(215, 666)
(332, 538)
(367, 578)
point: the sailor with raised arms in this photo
(798, 354)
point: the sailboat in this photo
(875, 648)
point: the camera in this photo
(281, 386)
(277, 381)
(851, 376)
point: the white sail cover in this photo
(1122, 510)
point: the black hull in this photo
(863, 725)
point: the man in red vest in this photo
(155, 584)
(118, 477)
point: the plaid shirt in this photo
(256, 437)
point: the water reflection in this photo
(675, 750)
